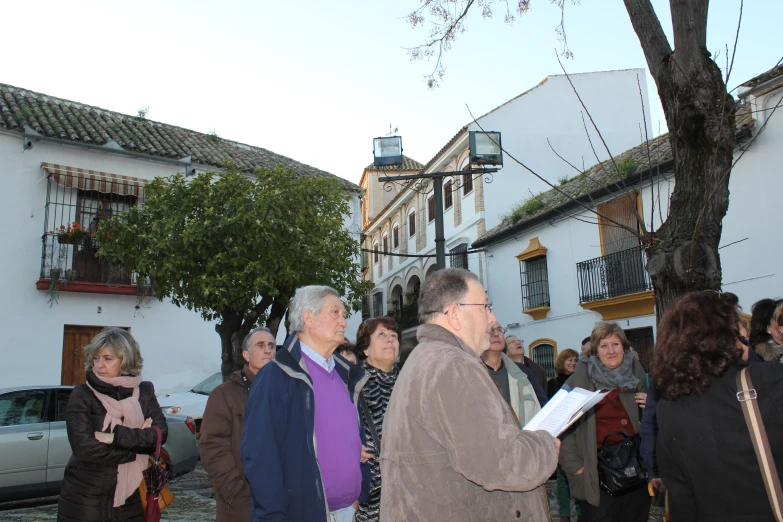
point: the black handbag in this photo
(620, 465)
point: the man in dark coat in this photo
(516, 351)
(302, 444)
(222, 426)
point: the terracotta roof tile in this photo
(407, 164)
(70, 121)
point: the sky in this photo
(317, 81)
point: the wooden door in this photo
(643, 341)
(75, 338)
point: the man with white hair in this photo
(302, 445)
(453, 448)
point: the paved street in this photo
(194, 503)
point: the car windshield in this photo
(206, 386)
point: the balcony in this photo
(616, 285)
(75, 207)
(407, 316)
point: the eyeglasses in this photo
(744, 340)
(487, 306)
(497, 330)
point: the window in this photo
(375, 252)
(535, 282)
(459, 256)
(61, 404)
(22, 407)
(467, 183)
(448, 195)
(544, 356)
(412, 224)
(385, 245)
(377, 304)
(206, 386)
(431, 209)
(396, 237)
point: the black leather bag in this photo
(620, 465)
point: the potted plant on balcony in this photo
(71, 234)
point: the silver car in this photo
(34, 446)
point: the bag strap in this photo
(747, 396)
(158, 437)
(370, 422)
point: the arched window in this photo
(412, 224)
(448, 195)
(385, 244)
(544, 353)
(396, 237)
(375, 252)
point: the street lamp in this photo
(387, 151)
(485, 149)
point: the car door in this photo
(59, 447)
(24, 439)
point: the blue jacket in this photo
(278, 443)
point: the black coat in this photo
(705, 454)
(87, 494)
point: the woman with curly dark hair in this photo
(705, 454)
(378, 346)
(766, 335)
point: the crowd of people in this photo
(325, 430)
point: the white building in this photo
(66, 162)
(553, 274)
(398, 217)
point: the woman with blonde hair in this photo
(109, 422)
(609, 365)
(565, 364)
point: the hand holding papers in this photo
(565, 408)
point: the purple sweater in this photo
(337, 435)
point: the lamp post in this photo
(485, 149)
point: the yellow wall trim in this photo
(542, 340)
(537, 313)
(624, 306)
(534, 249)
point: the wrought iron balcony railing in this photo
(75, 207)
(613, 275)
(407, 316)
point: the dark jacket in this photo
(705, 454)
(538, 371)
(580, 447)
(87, 494)
(553, 385)
(279, 449)
(219, 443)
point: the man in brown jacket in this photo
(452, 448)
(221, 430)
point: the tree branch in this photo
(653, 40)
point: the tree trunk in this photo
(230, 324)
(279, 309)
(683, 252)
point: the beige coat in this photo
(580, 447)
(452, 448)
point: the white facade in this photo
(750, 246)
(180, 349)
(549, 111)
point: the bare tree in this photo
(683, 252)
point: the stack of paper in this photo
(564, 409)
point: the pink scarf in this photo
(126, 412)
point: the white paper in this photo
(564, 409)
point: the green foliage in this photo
(219, 243)
(563, 180)
(627, 166)
(524, 209)
(142, 113)
(213, 136)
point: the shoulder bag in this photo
(620, 465)
(747, 395)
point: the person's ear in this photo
(246, 356)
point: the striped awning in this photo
(85, 179)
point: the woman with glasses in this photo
(705, 452)
(609, 365)
(378, 346)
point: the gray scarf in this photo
(605, 379)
